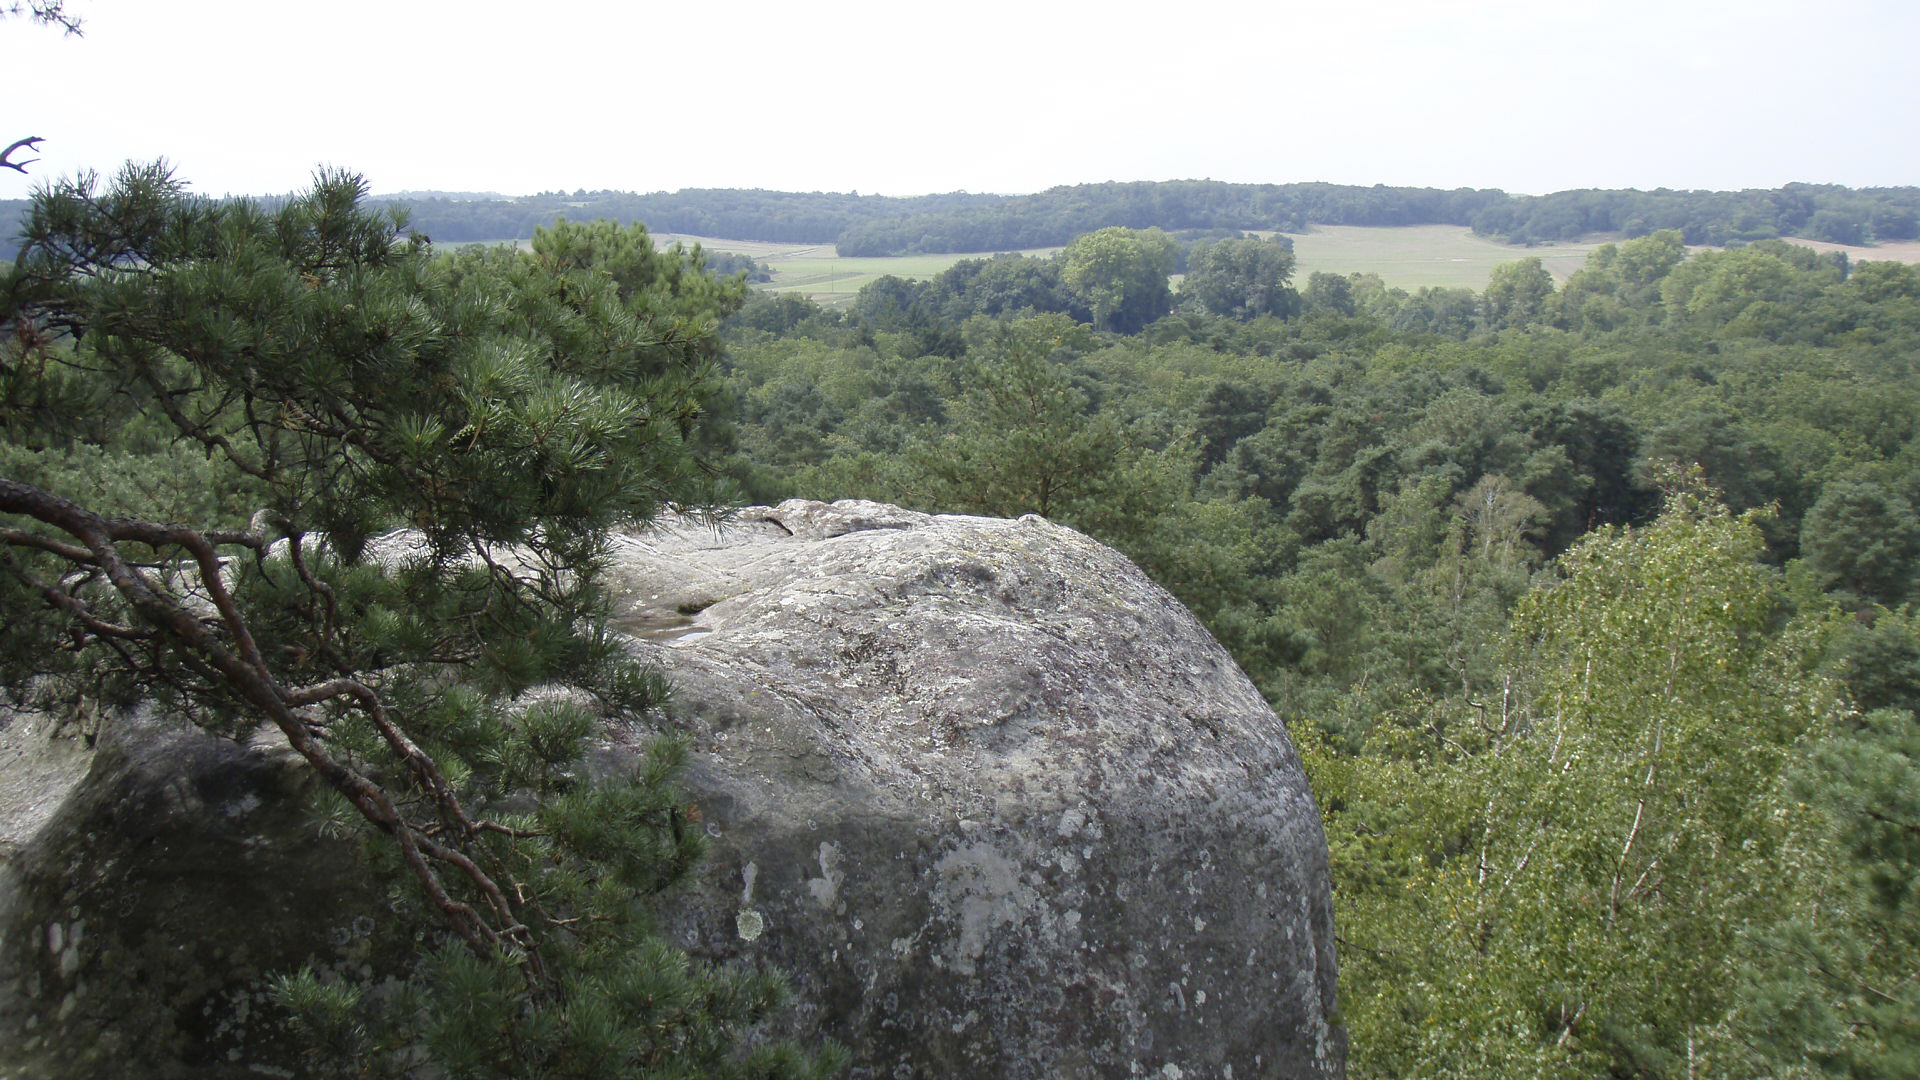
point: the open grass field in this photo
(1906, 251)
(1413, 256)
(1407, 257)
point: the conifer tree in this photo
(370, 496)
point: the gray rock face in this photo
(149, 880)
(996, 802)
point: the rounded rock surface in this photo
(995, 800)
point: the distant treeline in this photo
(1814, 211)
(966, 223)
(785, 217)
(960, 222)
(1819, 212)
(1054, 217)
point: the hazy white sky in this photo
(249, 96)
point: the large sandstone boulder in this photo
(997, 803)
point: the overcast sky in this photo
(896, 98)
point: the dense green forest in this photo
(960, 222)
(1592, 604)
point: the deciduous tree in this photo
(1241, 279)
(1556, 873)
(1122, 274)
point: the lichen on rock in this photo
(1010, 808)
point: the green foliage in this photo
(1003, 286)
(1830, 990)
(1241, 279)
(621, 1002)
(1122, 275)
(1331, 293)
(1747, 292)
(1025, 440)
(1426, 526)
(1518, 295)
(1558, 876)
(1827, 212)
(1863, 537)
(288, 389)
(1820, 211)
(872, 225)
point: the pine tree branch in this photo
(242, 673)
(78, 610)
(22, 538)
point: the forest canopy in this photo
(1592, 603)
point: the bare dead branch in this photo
(45, 12)
(32, 142)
